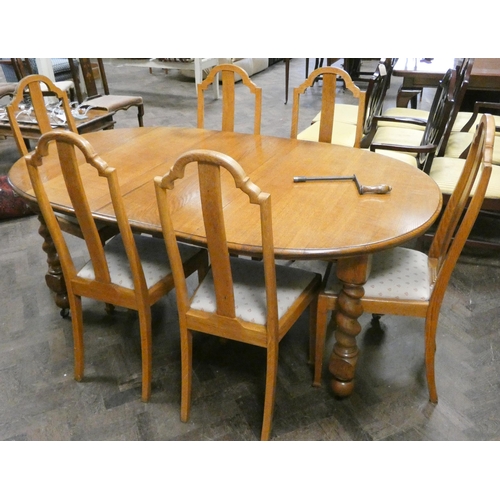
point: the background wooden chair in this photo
(255, 302)
(327, 129)
(131, 271)
(405, 142)
(226, 73)
(109, 102)
(407, 282)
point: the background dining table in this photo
(484, 81)
(325, 220)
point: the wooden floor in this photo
(39, 400)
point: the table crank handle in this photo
(380, 189)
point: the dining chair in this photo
(376, 91)
(227, 73)
(327, 129)
(108, 102)
(28, 104)
(254, 302)
(408, 282)
(131, 270)
(418, 146)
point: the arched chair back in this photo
(329, 76)
(227, 74)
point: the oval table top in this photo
(311, 220)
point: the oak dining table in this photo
(320, 220)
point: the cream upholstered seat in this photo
(130, 271)
(255, 302)
(327, 129)
(459, 142)
(407, 282)
(446, 172)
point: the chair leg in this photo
(186, 371)
(321, 323)
(313, 311)
(270, 396)
(140, 114)
(146, 351)
(75, 304)
(430, 354)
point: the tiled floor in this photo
(39, 400)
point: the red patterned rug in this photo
(11, 205)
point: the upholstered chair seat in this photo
(446, 172)
(153, 255)
(343, 134)
(398, 273)
(345, 113)
(114, 102)
(400, 136)
(458, 143)
(250, 291)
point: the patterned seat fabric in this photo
(398, 273)
(250, 292)
(154, 259)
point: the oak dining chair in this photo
(327, 129)
(407, 282)
(254, 302)
(131, 270)
(29, 104)
(226, 73)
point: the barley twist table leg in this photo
(54, 277)
(353, 273)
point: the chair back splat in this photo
(130, 271)
(388, 289)
(255, 302)
(227, 74)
